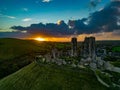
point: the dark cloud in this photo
(19, 28)
(116, 33)
(13, 35)
(104, 20)
(49, 29)
(93, 4)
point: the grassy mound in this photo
(51, 77)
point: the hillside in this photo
(17, 53)
(11, 48)
(51, 77)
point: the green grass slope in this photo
(51, 77)
(17, 53)
(11, 48)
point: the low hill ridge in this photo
(51, 77)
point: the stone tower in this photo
(74, 46)
(88, 48)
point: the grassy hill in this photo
(10, 48)
(51, 77)
(17, 53)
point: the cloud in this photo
(13, 35)
(47, 1)
(26, 19)
(94, 3)
(104, 20)
(3, 30)
(7, 16)
(12, 17)
(49, 29)
(115, 0)
(12, 30)
(25, 9)
(116, 33)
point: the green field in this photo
(116, 49)
(51, 77)
(17, 53)
(11, 48)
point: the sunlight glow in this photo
(40, 39)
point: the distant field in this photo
(17, 53)
(51, 77)
(116, 49)
(10, 48)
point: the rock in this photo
(93, 65)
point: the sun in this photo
(40, 39)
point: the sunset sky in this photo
(60, 19)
